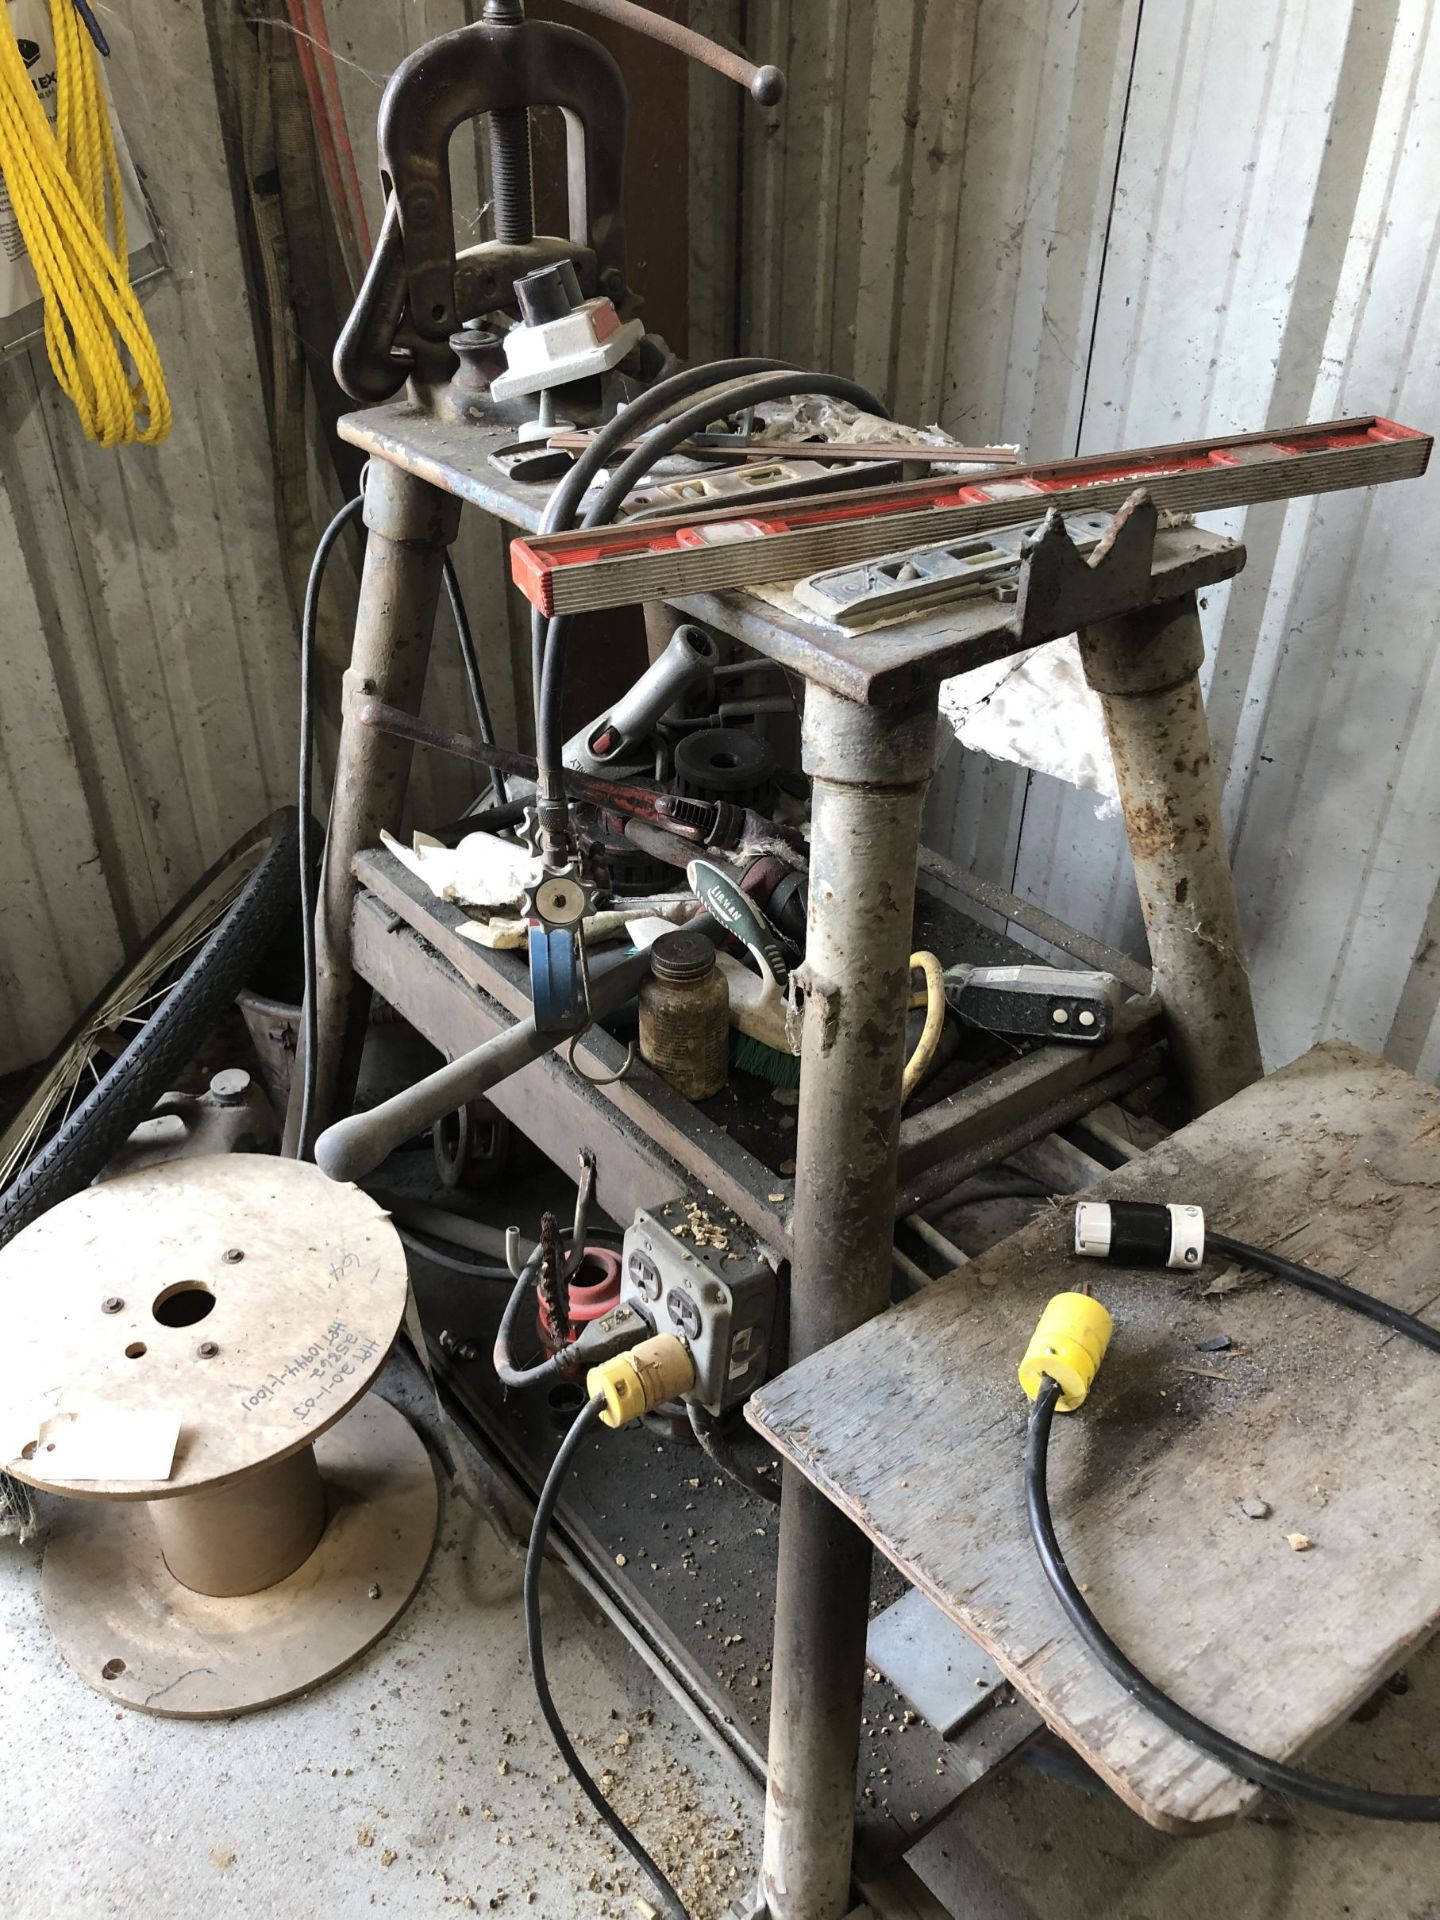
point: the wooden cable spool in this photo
(250, 1302)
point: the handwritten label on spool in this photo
(320, 1376)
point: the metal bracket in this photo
(1060, 590)
(409, 294)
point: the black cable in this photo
(1000, 1188)
(657, 442)
(1395, 1318)
(534, 1561)
(452, 1262)
(309, 624)
(716, 1443)
(506, 1371)
(559, 515)
(471, 663)
(665, 395)
(1372, 1804)
(782, 385)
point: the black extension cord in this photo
(471, 663)
(1367, 1802)
(722, 391)
(534, 1560)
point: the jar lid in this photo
(682, 956)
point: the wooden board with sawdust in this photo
(914, 1425)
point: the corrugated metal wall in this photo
(1116, 221)
(148, 694)
(148, 701)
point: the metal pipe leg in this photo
(1145, 667)
(410, 525)
(870, 766)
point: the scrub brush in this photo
(759, 1036)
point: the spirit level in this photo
(737, 546)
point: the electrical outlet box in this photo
(698, 1272)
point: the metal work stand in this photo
(869, 733)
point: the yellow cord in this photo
(934, 1003)
(64, 184)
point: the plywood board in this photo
(915, 1426)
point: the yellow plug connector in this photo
(1067, 1347)
(638, 1380)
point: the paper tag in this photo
(106, 1443)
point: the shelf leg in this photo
(1145, 666)
(870, 767)
(410, 524)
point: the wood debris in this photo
(699, 1226)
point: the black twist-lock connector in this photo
(1139, 1233)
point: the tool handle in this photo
(764, 84)
(733, 908)
(1069, 1004)
(352, 1148)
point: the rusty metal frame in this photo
(652, 1142)
(870, 714)
(497, 69)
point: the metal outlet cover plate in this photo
(699, 1271)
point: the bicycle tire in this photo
(104, 1120)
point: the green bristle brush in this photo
(759, 1039)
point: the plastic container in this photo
(685, 1016)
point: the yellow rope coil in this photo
(64, 185)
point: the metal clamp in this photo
(1059, 589)
(416, 293)
(490, 67)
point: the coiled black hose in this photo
(720, 394)
(663, 397)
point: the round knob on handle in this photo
(768, 86)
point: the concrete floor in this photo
(420, 1783)
(417, 1783)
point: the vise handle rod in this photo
(764, 84)
(352, 1148)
